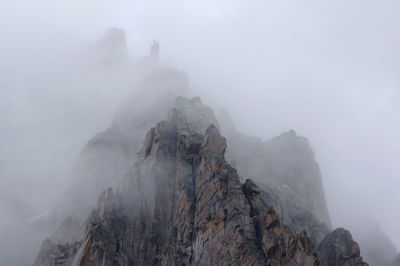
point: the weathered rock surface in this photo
(339, 248)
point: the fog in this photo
(329, 70)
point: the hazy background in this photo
(328, 69)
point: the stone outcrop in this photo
(339, 249)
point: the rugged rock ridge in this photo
(284, 166)
(184, 204)
(181, 203)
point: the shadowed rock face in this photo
(339, 248)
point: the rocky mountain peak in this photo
(182, 203)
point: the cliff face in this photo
(181, 203)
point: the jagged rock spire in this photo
(184, 204)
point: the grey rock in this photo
(339, 248)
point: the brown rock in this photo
(280, 245)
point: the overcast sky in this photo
(328, 69)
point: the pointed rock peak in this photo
(211, 130)
(213, 142)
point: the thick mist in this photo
(330, 71)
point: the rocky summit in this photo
(172, 182)
(182, 203)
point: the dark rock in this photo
(339, 248)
